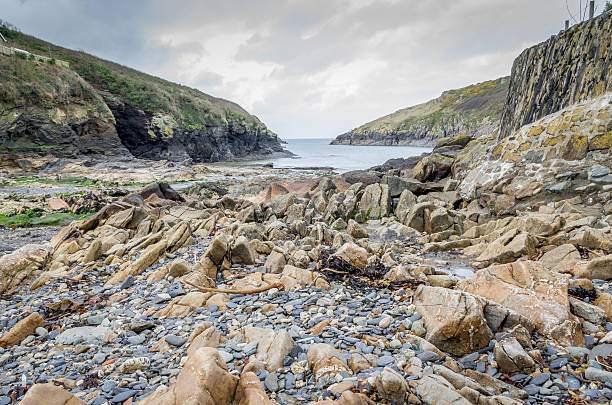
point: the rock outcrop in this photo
(571, 67)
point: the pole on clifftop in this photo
(566, 25)
(591, 8)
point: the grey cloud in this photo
(423, 47)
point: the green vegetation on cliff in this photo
(456, 112)
(151, 94)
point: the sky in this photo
(307, 68)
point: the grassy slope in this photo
(149, 93)
(473, 103)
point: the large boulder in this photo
(561, 259)
(433, 167)
(533, 291)
(204, 380)
(455, 320)
(242, 252)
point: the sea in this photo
(317, 152)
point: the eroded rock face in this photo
(203, 380)
(533, 291)
(455, 320)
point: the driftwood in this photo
(220, 290)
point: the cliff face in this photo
(570, 67)
(473, 110)
(46, 108)
(99, 107)
(160, 136)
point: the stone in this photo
(391, 386)
(250, 391)
(242, 252)
(509, 247)
(217, 249)
(49, 394)
(561, 259)
(134, 364)
(18, 266)
(178, 267)
(57, 204)
(598, 268)
(353, 254)
(326, 361)
(272, 346)
(204, 380)
(596, 374)
(589, 312)
(82, 334)
(511, 358)
(93, 252)
(418, 216)
(458, 380)
(375, 202)
(433, 389)
(406, 201)
(275, 263)
(533, 291)
(604, 301)
(22, 329)
(355, 230)
(455, 320)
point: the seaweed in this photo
(336, 269)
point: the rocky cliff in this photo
(99, 107)
(473, 110)
(570, 67)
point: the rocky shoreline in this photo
(313, 290)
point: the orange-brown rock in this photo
(49, 394)
(204, 380)
(250, 391)
(455, 320)
(22, 330)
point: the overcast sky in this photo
(306, 68)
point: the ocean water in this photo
(343, 158)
